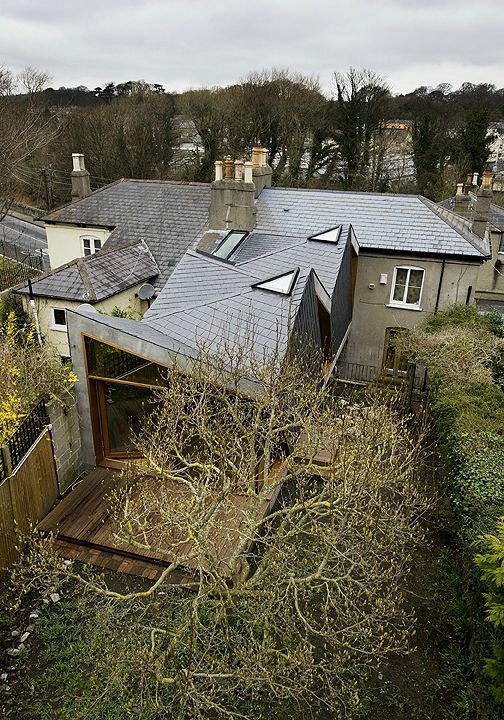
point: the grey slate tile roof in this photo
(407, 224)
(168, 216)
(207, 301)
(96, 277)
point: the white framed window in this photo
(407, 286)
(59, 318)
(90, 244)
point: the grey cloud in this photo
(183, 43)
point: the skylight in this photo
(227, 246)
(331, 235)
(281, 284)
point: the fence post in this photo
(7, 462)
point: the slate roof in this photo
(208, 301)
(96, 277)
(406, 224)
(168, 216)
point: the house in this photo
(289, 268)
(105, 246)
(473, 205)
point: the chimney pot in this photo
(228, 169)
(248, 172)
(257, 156)
(460, 188)
(218, 170)
(475, 179)
(486, 183)
(81, 186)
(238, 170)
(264, 157)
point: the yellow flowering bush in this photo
(28, 373)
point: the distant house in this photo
(473, 205)
(291, 268)
(104, 246)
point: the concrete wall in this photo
(373, 313)
(58, 336)
(490, 283)
(64, 242)
(66, 441)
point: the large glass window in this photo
(108, 362)
(407, 286)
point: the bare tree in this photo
(32, 80)
(288, 608)
(6, 81)
(358, 114)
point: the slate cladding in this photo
(96, 277)
(208, 301)
(168, 216)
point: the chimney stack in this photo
(232, 205)
(261, 171)
(462, 200)
(81, 186)
(483, 202)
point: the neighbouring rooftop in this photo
(168, 216)
(96, 277)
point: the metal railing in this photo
(22, 440)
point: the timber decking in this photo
(84, 528)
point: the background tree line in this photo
(345, 141)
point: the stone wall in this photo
(66, 442)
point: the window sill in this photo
(404, 306)
(60, 328)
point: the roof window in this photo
(331, 235)
(229, 244)
(281, 284)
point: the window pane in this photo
(228, 245)
(110, 362)
(400, 284)
(501, 243)
(413, 295)
(59, 317)
(97, 245)
(416, 277)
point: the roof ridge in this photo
(86, 280)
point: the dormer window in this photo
(90, 244)
(330, 236)
(226, 247)
(281, 284)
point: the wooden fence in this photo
(27, 492)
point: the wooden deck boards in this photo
(84, 528)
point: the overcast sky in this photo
(194, 43)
